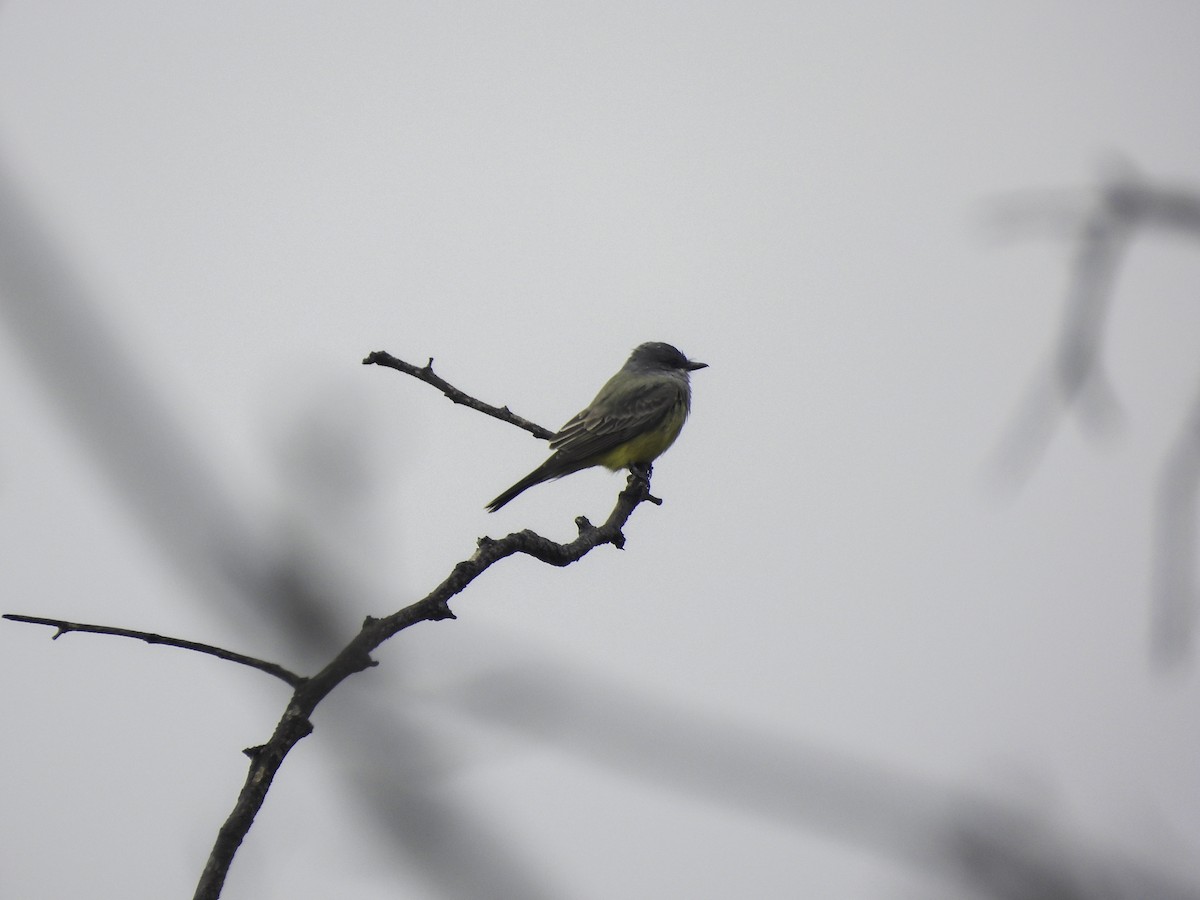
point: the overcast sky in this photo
(237, 201)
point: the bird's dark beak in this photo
(692, 365)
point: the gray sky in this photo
(253, 196)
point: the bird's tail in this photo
(544, 472)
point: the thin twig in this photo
(229, 655)
(356, 656)
(425, 373)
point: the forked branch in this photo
(295, 724)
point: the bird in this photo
(632, 421)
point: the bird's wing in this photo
(638, 409)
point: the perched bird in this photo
(636, 416)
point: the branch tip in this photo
(425, 373)
(441, 611)
(62, 627)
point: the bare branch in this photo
(425, 373)
(356, 656)
(229, 655)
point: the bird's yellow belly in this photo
(647, 447)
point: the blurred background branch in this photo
(987, 847)
(61, 627)
(1104, 221)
